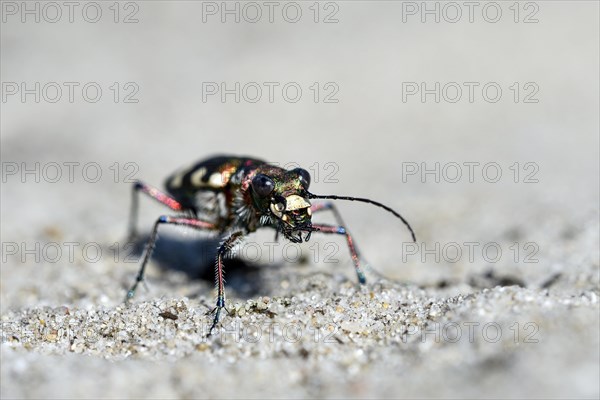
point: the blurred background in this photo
(368, 98)
(479, 123)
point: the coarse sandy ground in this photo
(430, 323)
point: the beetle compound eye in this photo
(304, 177)
(263, 185)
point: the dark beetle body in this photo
(213, 174)
(207, 188)
(218, 190)
(234, 196)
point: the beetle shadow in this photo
(196, 257)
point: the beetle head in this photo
(283, 195)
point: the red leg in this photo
(225, 248)
(328, 206)
(156, 195)
(340, 230)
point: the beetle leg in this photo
(328, 206)
(156, 195)
(192, 222)
(338, 218)
(224, 248)
(340, 230)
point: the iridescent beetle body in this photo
(233, 197)
(208, 188)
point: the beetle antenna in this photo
(397, 215)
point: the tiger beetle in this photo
(233, 197)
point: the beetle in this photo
(234, 196)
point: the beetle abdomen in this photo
(209, 174)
